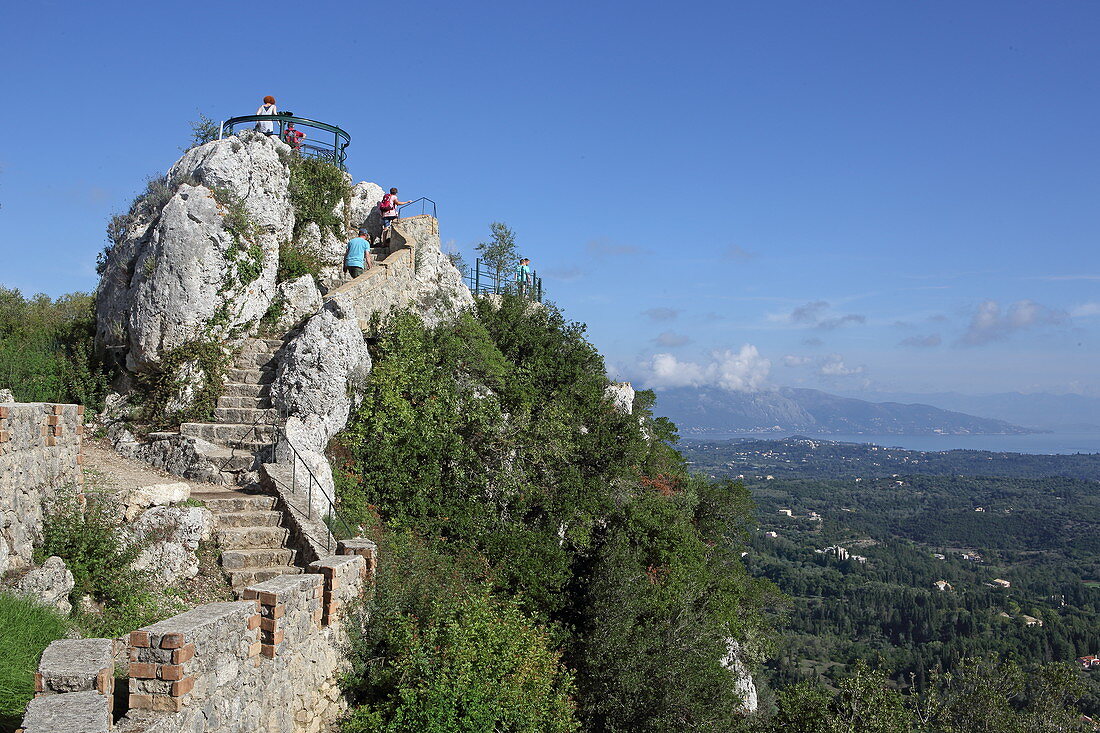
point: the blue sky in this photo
(855, 196)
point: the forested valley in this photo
(914, 572)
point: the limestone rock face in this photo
(438, 289)
(743, 685)
(300, 299)
(178, 274)
(50, 584)
(319, 363)
(175, 533)
(138, 500)
(364, 202)
(315, 384)
(621, 395)
(4, 552)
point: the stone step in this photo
(251, 375)
(233, 503)
(248, 538)
(238, 402)
(260, 344)
(229, 434)
(256, 559)
(227, 459)
(243, 578)
(235, 389)
(249, 360)
(261, 450)
(233, 520)
(246, 415)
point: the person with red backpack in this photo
(293, 137)
(388, 208)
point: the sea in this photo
(1037, 443)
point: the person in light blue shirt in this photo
(523, 276)
(358, 256)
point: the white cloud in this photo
(791, 360)
(990, 322)
(739, 371)
(1086, 310)
(833, 366)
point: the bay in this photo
(1034, 443)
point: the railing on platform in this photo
(314, 147)
(307, 484)
(484, 280)
(425, 204)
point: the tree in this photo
(499, 253)
(203, 130)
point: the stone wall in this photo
(416, 273)
(39, 452)
(270, 662)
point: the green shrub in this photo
(26, 629)
(436, 652)
(158, 390)
(90, 542)
(203, 130)
(101, 556)
(295, 261)
(316, 188)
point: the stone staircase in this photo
(250, 534)
(244, 418)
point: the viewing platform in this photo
(330, 144)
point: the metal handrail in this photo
(332, 516)
(423, 201)
(486, 281)
(336, 152)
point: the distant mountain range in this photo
(702, 410)
(1060, 412)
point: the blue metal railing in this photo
(484, 280)
(314, 147)
(424, 202)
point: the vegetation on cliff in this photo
(490, 441)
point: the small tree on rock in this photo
(499, 253)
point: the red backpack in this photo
(386, 204)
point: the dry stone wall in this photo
(39, 453)
(270, 662)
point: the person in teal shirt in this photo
(523, 276)
(358, 255)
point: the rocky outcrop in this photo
(135, 501)
(49, 584)
(173, 534)
(621, 395)
(178, 272)
(298, 300)
(743, 685)
(318, 365)
(416, 274)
